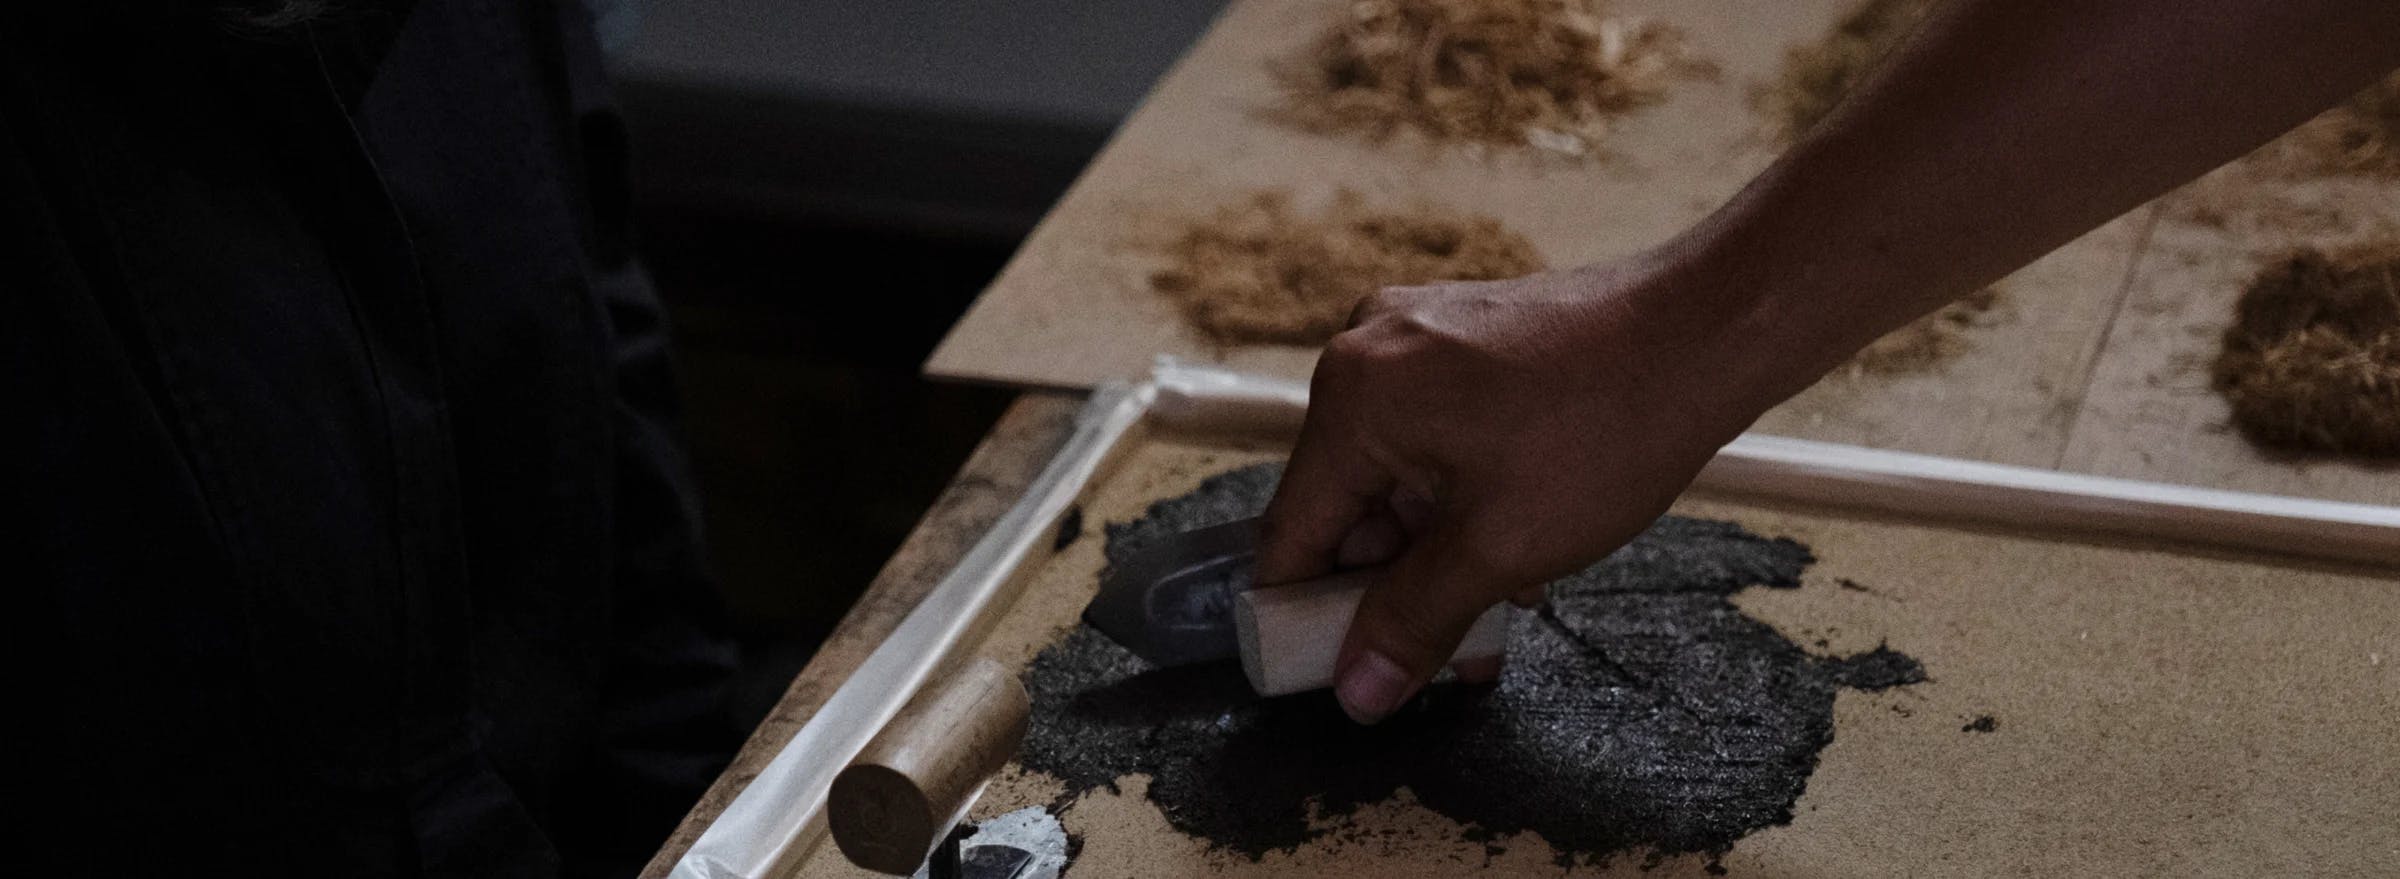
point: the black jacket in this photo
(348, 537)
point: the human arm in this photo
(1485, 438)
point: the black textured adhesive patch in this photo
(1641, 710)
(1070, 529)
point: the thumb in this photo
(1409, 624)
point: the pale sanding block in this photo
(1290, 635)
(1191, 599)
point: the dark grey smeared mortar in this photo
(1640, 711)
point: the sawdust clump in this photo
(2361, 136)
(2312, 360)
(1817, 75)
(1927, 340)
(1261, 272)
(1545, 73)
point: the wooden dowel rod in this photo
(900, 797)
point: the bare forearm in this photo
(1485, 438)
(2002, 130)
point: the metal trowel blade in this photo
(1172, 604)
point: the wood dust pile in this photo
(1260, 272)
(2312, 360)
(1546, 73)
(1816, 76)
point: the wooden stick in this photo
(915, 780)
(1290, 635)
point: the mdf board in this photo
(2150, 413)
(2157, 710)
(1075, 307)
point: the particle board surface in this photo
(1075, 307)
(2159, 710)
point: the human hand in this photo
(1487, 438)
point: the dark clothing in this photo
(347, 529)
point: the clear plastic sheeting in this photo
(1203, 397)
(770, 826)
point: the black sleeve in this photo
(665, 731)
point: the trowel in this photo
(1192, 598)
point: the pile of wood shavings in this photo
(1545, 73)
(1259, 272)
(1816, 76)
(2312, 360)
(2362, 136)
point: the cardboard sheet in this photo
(2158, 711)
(1075, 307)
(2149, 413)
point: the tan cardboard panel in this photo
(1075, 308)
(2150, 413)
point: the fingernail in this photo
(1372, 688)
(1481, 670)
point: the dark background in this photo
(823, 187)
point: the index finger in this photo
(1329, 487)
